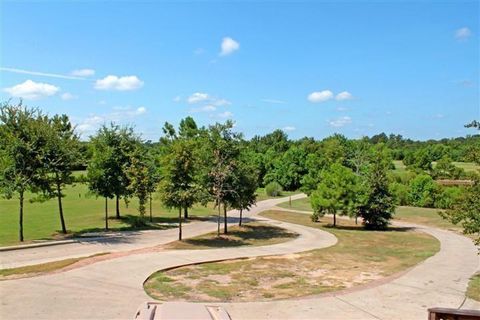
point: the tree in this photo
(187, 132)
(62, 155)
(119, 143)
(179, 187)
(245, 186)
(220, 157)
(23, 137)
(336, 192)
(288, 169)
(377, 204)
(466, 212)
(139, 177)
(445, 169)
(423, 191)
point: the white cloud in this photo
(320, 96)
(32, 90)
(119, 114)
(340, 122)
(229, 46)
(83, 72)
(345, 95)
(118, 83)
(42, 74)
(463, 33)
(198, 97)
(68, 96)
(177, 99)
(289, 128)
(341, 109)
(207, 108)
(224, 115)
(274, 101)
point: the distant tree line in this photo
(198, 165)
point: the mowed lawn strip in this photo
(43, 267)
(425, 216)
(83, 213)
(249, 234)
(473, 291)
(359, 257)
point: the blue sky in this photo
(310, 68)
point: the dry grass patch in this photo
(249, 234)
(359, 257)
(42, 268)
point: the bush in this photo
(400, 191)
(136, 222)
(423, 191)
(449, 197)
(273, 189)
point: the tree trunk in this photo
(151, 218)
(356, 219)
(180, 223)
(225, 230)
(240, 221)
(218, 219)
(60, 208)
(118, 206)
(106, 214)
(20, 231)
(335, 219)
(185, 213)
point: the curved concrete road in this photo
(113, 289)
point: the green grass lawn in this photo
(473, 291)
(83, 212)
(425, 216)
(359, 257)
(262, 195)
(400, 167)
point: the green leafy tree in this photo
(221, 148)
(445, 169)
(466, 212)
(377, 203)
(62, 156)
(336, 193)
(139, 174)
(423, 191)
(118, 143)
(179, 187)
(245, 186)
(23, 138)
(289, 169)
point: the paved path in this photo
(124, 241)
(113, 289)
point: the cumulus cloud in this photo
(320, 96)
(229, 46)
(289, 128)
(340, 122)
(344, 95)
(83, 72)
(119, 114)
(198, 97)
(463, 33)
(68, 96)
(224, 115)
(125, 83)
(207, 108)
(32, 90)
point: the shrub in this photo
(400, 191)
(273, 189)
(449, 197)
(423, 191)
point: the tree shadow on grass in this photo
(362, 228)
(245, 235)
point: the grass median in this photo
(359, 257)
